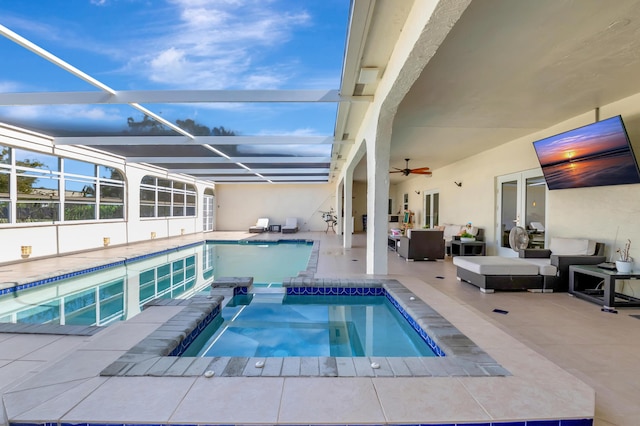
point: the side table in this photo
(598, 285)
(472, 248)
(392, 241)
(274, 228)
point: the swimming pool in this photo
(163, 352)
(279, 325)
(118, 291)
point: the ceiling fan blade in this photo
(396, 171)
(420, 169)
(421, 172)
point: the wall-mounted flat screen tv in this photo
(598, 154)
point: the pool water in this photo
(267, 263)
(119, 292)
(275, 325)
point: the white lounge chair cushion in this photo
(544, 266)
(496, 265)
(572, 246)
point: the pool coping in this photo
(150, 357)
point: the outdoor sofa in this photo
(533, 269)
(421, 244)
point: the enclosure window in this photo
(166, 198)
(47, 188)
(37, 187)
(5, 182)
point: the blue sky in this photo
(177, 44)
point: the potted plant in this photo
(466, 237)
(624, 263)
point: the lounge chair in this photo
(291, 226)
(262, 225)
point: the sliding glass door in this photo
(208, 210)
(431, 207)
(521, 199)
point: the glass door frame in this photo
(520, 178)
(431, 211)
(208, 212)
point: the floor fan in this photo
(518, 238)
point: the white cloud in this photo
(218, 44)
(63, 113)
(315, 150)
(63, 36)
(222, 44)
(297, 132)
(10, 87)
(262, 81)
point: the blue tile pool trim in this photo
(562, 422)
(240, 291)
(335, 291)
(50, 280)
(73, 274)
(188, 340)
(414, 324)
(260, 242)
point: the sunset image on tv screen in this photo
(595, 155)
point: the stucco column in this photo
(427, 26)
(339, 228)
(378, 153)
(347, 240)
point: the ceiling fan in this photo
(407, 171)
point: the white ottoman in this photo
(491, 273)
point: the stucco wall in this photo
(240, 205)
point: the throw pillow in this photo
(572, 246)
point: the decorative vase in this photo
(623, 267)
(467, 239)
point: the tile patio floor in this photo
(553, 344)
